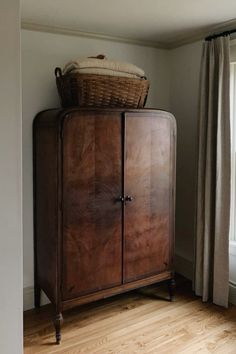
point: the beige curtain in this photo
(213, 201)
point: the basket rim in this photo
(103, 77)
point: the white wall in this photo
(185, 72)
(174, 77)
(41, 52)
(10, 177)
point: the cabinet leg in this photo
(58, 321)
(37, 296)
(171, 287)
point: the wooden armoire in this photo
(104, 192)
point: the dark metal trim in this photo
(221, 34)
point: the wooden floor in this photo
(137, 322)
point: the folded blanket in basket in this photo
(103, 67)
(102, 71)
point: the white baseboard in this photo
(232, 293)
(183, 266)
(28, 295)
(232, 272)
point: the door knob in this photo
(128, 198)
(120, 199)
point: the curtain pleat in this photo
(213, 200)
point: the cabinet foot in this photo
(58, 321)
(37, 297)
(171, 287)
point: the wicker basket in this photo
(90, 90)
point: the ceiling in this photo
(160, 23)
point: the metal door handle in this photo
(120, 199)
(128, 198)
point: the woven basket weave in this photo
(90, 90)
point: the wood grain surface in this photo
(46, 204)
(92, 219)
(149, 163)
(138, 322)
(104, 203)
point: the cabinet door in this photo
(148, 177)
(92, 217)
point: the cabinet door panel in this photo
(92, 218)
(148, 176)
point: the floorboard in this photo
(141, 321)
